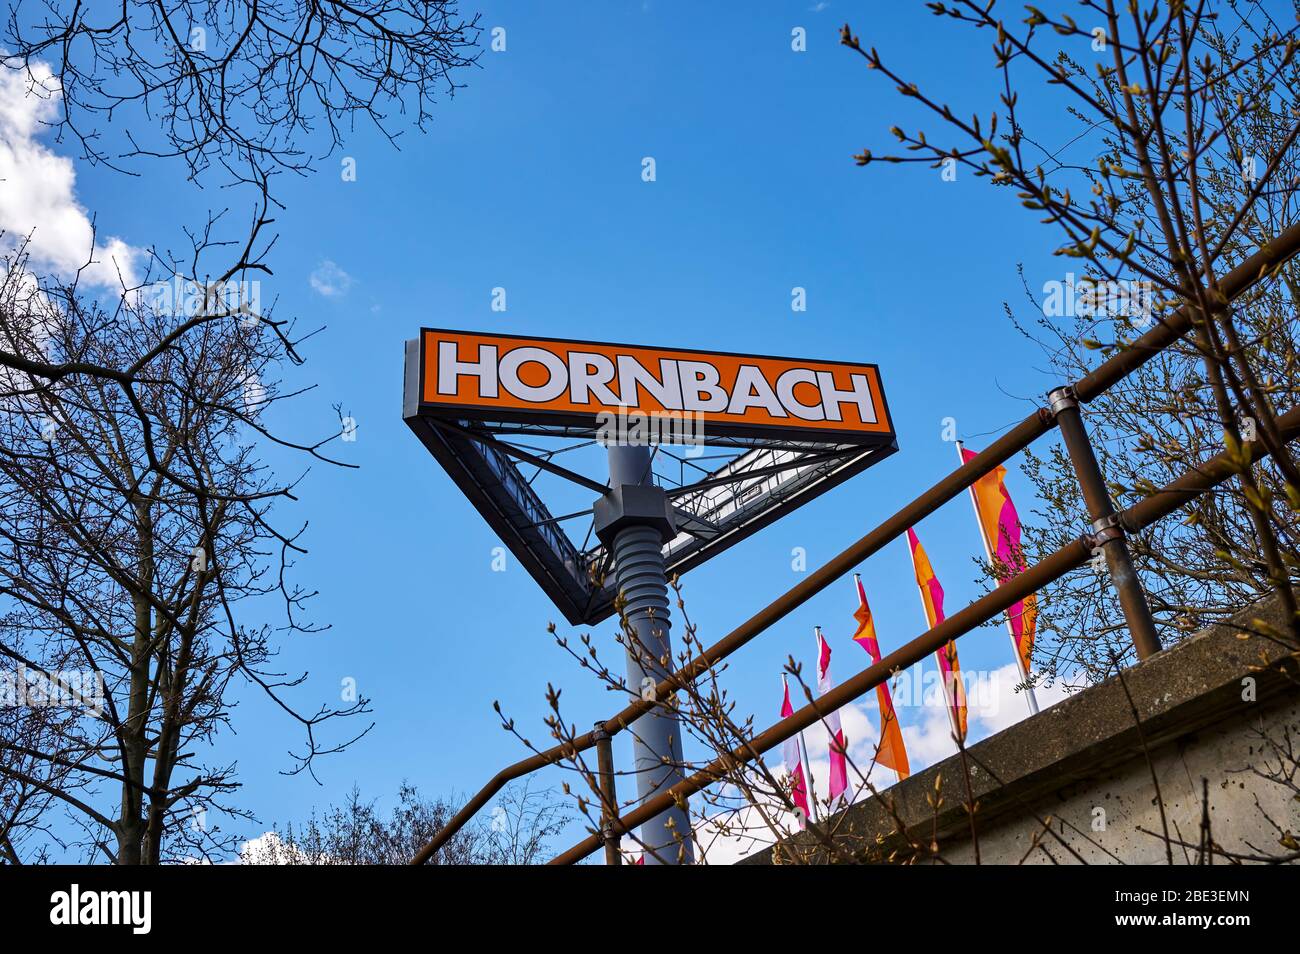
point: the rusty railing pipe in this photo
(1105, 524)
(1069, 557)
(1009, 444)
(1231, 285)
(608, 797)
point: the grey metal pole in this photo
(1105, 523)
(634, 521)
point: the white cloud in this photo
(726, 838)
(269, 848)
(262, 849)
(993, 705)
(1004, 707)
(928, 740)
(330, 280)
(39, 189)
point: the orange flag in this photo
(891, 754)
(932, 597)
(1000, 526)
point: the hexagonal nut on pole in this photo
(632, 505)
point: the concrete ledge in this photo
(1081, 740)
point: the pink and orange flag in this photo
(932, 597)
(1000, 525)
(891, 753)
(793, 762)
(839, 780)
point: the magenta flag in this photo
(793, 763)
(839, 781)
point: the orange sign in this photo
(511, 377)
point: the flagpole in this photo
(988, 554)
(803, 759)
(807, 772)
(898, 776)
(817, 668)
(830, 746)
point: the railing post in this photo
(1106, 529)
(608, 795)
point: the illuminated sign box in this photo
(801, 427)
(513, 378)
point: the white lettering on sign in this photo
(538, 375)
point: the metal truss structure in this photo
(717, 501)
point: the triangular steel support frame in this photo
(768, 479)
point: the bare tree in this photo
(1165, 415)
(1186, 165)
(357, 833)
(29, 779)
(136, 538)
(139, 548)
(237, 84)
(522, 825)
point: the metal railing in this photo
(1109, 530)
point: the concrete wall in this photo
(1074, 783)
(1123, 800)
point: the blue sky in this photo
(530, 179)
